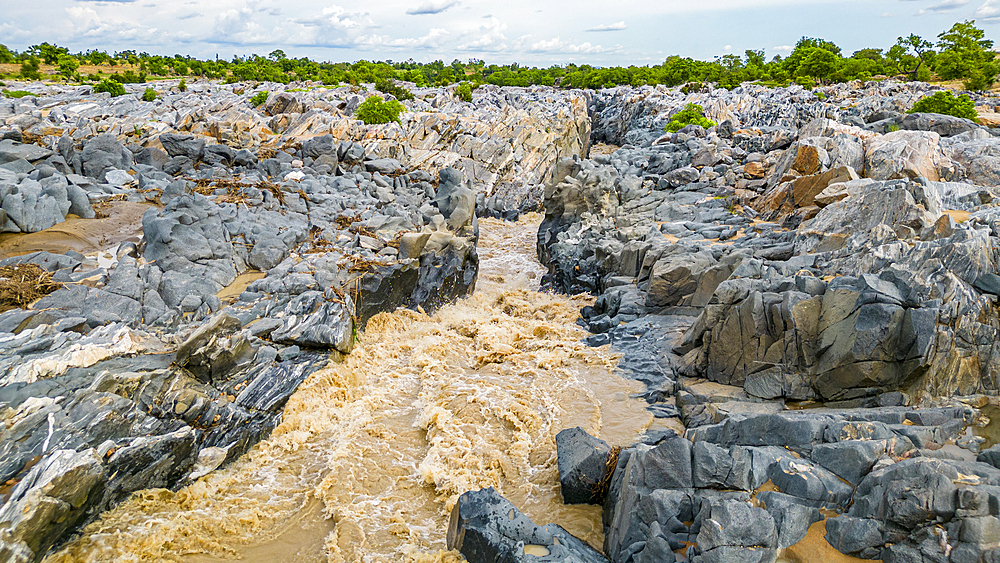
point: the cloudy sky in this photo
(528, 31)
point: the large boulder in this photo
(736, 531)
(486, 528)
(908, 154)
(187, 146)
(312, 320)
(584, 466)
(104, 153)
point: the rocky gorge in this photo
(806, 292)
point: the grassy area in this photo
(17, 93)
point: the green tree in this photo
(68, 65)
(49, 53)
(965, 53)
(910, 54)
(110, 86)
(29, 69)
(803, 49)
(6, 55)
(818, 63)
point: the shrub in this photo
(388, 86)
(68, 65)
(110, 86)
(259, 98)
(464, 92)
(129, 77)
(29, 69)
(692, 114)
(692, 87)
(149, 95)
(183, 85)
(979, 80)
(944, 102)
(376, 110)
(806, 82)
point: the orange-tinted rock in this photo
(754, 169)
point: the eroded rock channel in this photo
(278, 334)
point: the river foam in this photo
(373, 452)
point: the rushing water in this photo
(373, 452)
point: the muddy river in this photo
(373, 452)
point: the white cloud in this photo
(618, 26)
(887, 15)
(727, 48)
(988, 12)
(332, 17)
(783, 48)
(86, 24)
(433, 40)
(489, 37)
(556, 45)
(432, 7)
(948, 5)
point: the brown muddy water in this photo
(373, 452)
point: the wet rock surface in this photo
(271, 238)
(486, 527)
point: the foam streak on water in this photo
(373, 453)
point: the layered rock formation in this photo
(828, 253)
(270, 237)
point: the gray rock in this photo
(11, 151)
(944, 125)
(485, 527)
(311, 321)
(792, 516)
(79, 202)
(583, 466)
(182, 145)
(218, 154)
(103, 153)
(385, 166)
(736, 531)
(52, 499)
(456, 200)
(854, 535)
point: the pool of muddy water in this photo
(373, 452)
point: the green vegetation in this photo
(464, 92)
(944, 102)
(259, 98)
(17, 93)
(68, 65)
(149, 95)
(129, 77)
(692, 87)
(110, 86)
(29, 69)
(6, 56)
(182, 85)
(376, 110)
(692, 114)
(960, 53)
(389, 86)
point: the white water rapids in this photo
(373, 452)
